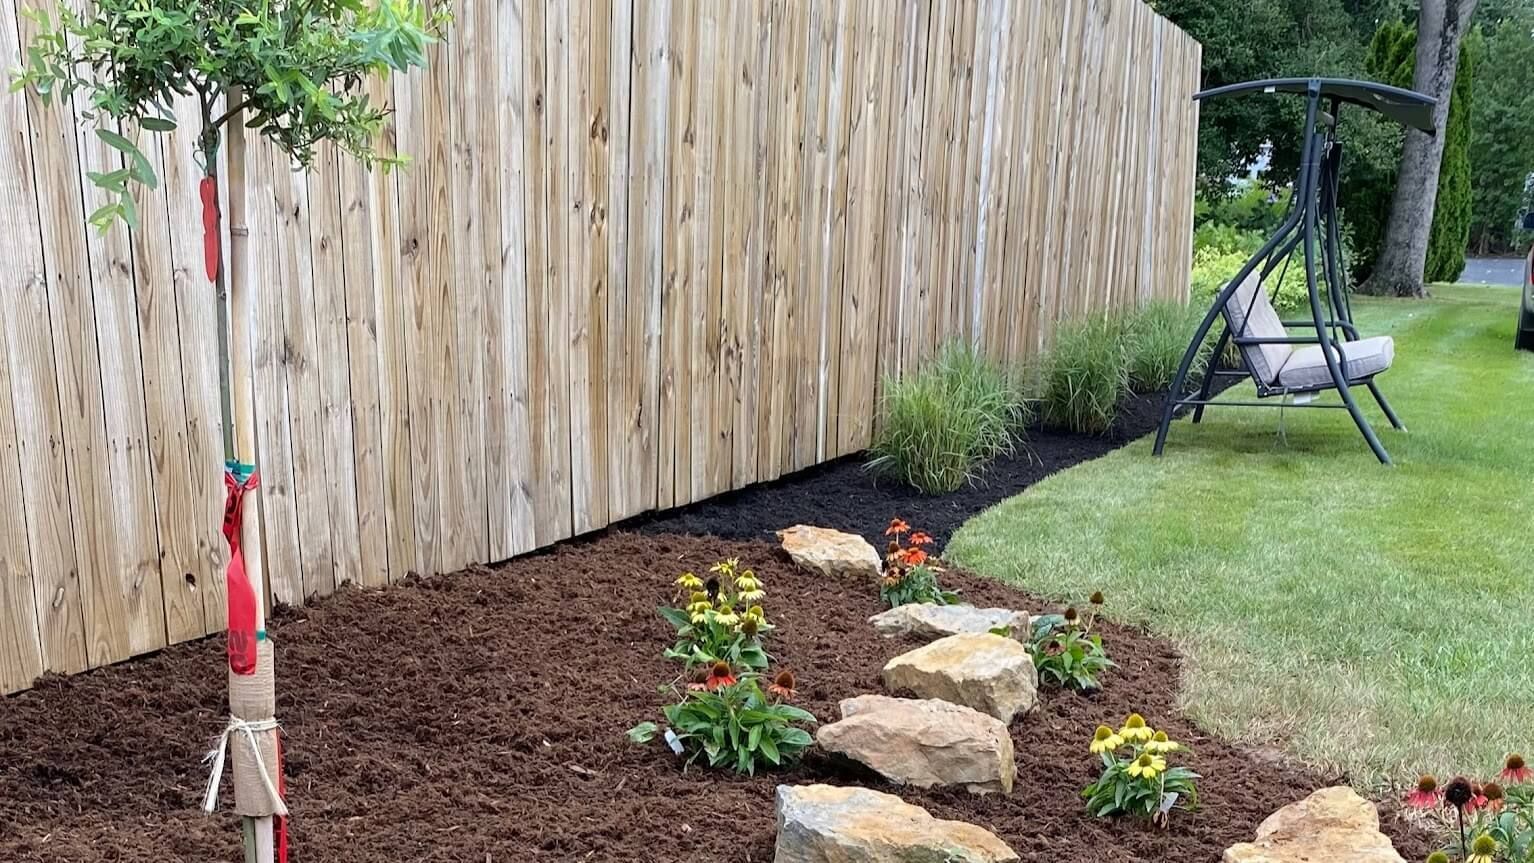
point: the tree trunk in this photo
(1441, 26)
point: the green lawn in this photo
(1374, 620)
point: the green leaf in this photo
(754, 738)
(796, 737)
(143, 171)
(770, 749)
(129, 211)
(644, 732)
(158, 124)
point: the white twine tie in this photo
(217, 755)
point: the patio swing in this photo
(1295, 368)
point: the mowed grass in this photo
(1376, 621)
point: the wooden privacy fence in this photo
(648, 250)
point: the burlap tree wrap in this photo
(252, 701)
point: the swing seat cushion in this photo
(1306, 368)
(1249, 313)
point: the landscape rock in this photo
(830, 552)
(826, 824)
(1331, 824)
(989, 673)
(940, 621)
(923, 742)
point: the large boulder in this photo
(1331, 824)
(931, 622)
(989, 673)
(831, 553)
(923, 742)
(826, 824)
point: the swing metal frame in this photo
(1312, 225)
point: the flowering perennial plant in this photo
(1137, 777)
(735, 723)
(721, 619)
(909, 575)
(1483, 822)
(1066, 652)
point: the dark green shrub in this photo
(939, 425)
(1084, 375)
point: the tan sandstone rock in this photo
(1333, 824)
(826, 824)
(923, 742)
(940, 621)
(830, 552)
(989, 673)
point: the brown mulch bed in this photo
(480, 717)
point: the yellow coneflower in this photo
(698, 607)
(688, 581)
(1147, 766)
(1161, 744)
(1135, 730)
(726, 617)
(1104, 740)
(1438, 857)
(748, 626)
(1483, 849)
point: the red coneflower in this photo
(1426, 795)
(782, 686)
(913, 556)
(1478, 800)
(1494, 796)
(897, 527)
(720, 675)
(919, 537)
(1515, 771)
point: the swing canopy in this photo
(1293, 360)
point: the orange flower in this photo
(1426, 795)
(913, 556)
(782, 686)
(897, 527)
(919, 537)
(720, 675)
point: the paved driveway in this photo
(1492, 271)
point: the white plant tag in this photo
(673, 741)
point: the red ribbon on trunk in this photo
(208, 190)
(241, 596)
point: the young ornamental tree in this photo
(295, 72)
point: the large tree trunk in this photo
(1441, 26)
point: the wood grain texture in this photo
(645, 251)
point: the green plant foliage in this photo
(300, 68)
(1252, 39)
(1137, 778)
(735, 725)
(1085, 375)
(1219, 251)
(918, 584)
(938, 426)
(1155, 338)
(1067, 655)
(1502, 134)
(1369, 179)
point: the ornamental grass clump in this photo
(1138, 778)
(719, 619)
(1085, 375)
(1481, 822)
(939, 425)
(1155, 338)
(910, 576)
